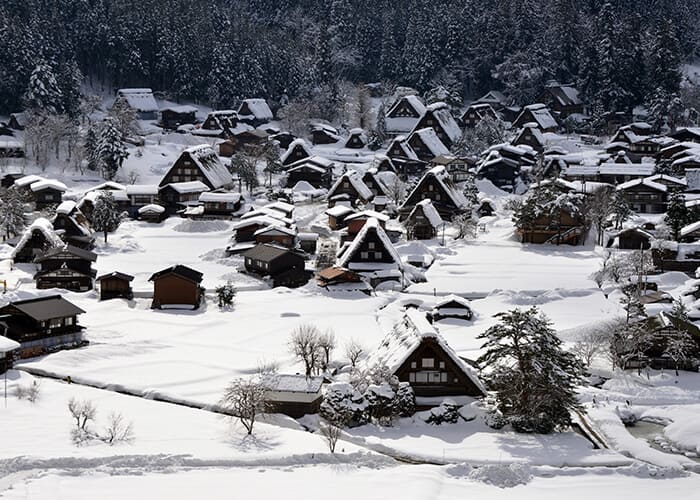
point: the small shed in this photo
(451, 306)
(174, 116)
(293, 395)
(357, 139)
(152, 213)
(284, 266)
(7, 348)
(177, 287)
(337, 214)
(115, 285)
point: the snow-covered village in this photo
(349, 249)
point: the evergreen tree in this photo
(12, 220)
(91, 147)
(43, 95)
(226, 294)
(677, 214)
(106, 216)
(111, 149)
(535, 378)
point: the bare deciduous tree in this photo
(118, 430)
(593, 342)
(354, 351)
(331, 432)
(326, 344)
(465, 225)
(245, 399)
(304, 344)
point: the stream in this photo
(652, 432)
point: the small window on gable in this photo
(442, 365)
(428, 363)
(364, 255)
(377, 255)
(413, 364)
(371, 245)
(431, 187)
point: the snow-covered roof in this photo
(442, 114)
(366, 214)
(268, 212)
(7, 142)
(189, 187)
(532, 129)
(314, 162)
(493, 96)
(639, 169)
(406, 336)
(210, 165)
(276, 229)
(48, 184)
(182, 108)
(301, 143)
(108, 185)
(413, 101)
(540, 113)
(690, 228)
(372, 225)
(7, 345)
(667, 178)
(66, 207)
(139, 99)
(293, 383)
(141, 189)
(565, 94)
(429, 211)
(406, 149)
(28, 180)
(257, 107)
(452, 298)
(443, 178)
(645, 182)
(220, 197)
(280, 205)
(432, 141)
(43, 226)
(260, 220)
(339, 211)
(151, 208)
(692, 179)
(355, 179)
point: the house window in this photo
(431, 187)
(428, 362)
(378, 255)
(442, 365)
(413, 364)
(364, 255)
(437, 196)
(346, 185)
(371, 245)
(48, 197)
(55, 323)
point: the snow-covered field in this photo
(179, 452)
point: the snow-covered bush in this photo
(30, 392)
(380, 403)
(404, 400)
(343, 405)
(446, 413)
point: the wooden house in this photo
(437, 116)
(219, 123)
(72, 226)
(284, 139)
(177, 287)
(66, 267)
(493, 98)
(563, 100)
(530, 135)
(141, 101)
(322, 133)
(404, 114)
(486, 208)
(174, 116)
(437, 186)
(298, 150)
(17, 121)
(349, 188)
(276, 235)
(178, 196)
(8, 347)
(609, 173)
(373, 181)
(115, 285)
(356, 221)
(502, 172)
(241, 140)
(371, 253)
(690, 233)
(222, 204)
(337, 214)
(423, 222)
(36, 240)
(356, 140)
(451, 307)
(538, 114)
(285, 266)
(564, 227)
(476, 112)
(633, 238)
(684, 134)
(199, 163)
(458, 167)
(42, 324)
(286, 209)
(645, 196)
(293, 395)
(244, 230)
(426, 145)
(152, 213)
(383, 163)
(416, 353)
(10, 147)
(45, 192)
(316, 171)
(254, 112)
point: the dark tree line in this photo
(620, 53)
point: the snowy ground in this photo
(178, 452)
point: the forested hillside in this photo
(217, 51)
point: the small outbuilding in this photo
(177, 287)
(293, 395)
(115, 285)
